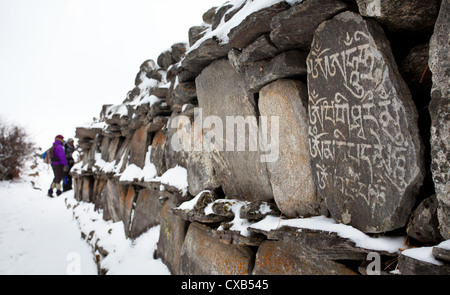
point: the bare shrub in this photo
(15, 149)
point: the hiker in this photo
(59, 164)
(69, 149)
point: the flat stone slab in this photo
(203, 254)
(367, 156)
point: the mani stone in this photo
(367, 156)
(290, 175)
(439, 108)
(228, 106)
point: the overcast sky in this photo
(61, 60)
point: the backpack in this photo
(49, 156)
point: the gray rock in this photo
(165, 59)
(287, 64)
(200, 57)
(294, 28)
(411, 15)
(157, 156)
(439, 108)
(195, 34)
(128, 200)
(411, 266)
(261, 48)
(147, 212)
(138, 147)
(291, 178)
(221, 93)
(183, 93)
(110, 201)
(87, 133)
(87, 188)
(441, 254)
(171, 237)
(178, 51)
(423, 224)
(258, 210)
(367, 156)
(208, 15)
(173, 155)
(287, 258)
(200, 171)
(218, 16)
(199, 255)
(255, 25)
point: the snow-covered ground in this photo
(39, 235)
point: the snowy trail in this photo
(38, 235)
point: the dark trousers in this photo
(58, 172)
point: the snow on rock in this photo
(176, 177)
(425, 253)
(124, 256)
(322, 223)
(189, 205)
(224, 28)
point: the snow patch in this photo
(389, 244)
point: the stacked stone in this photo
(348, 85)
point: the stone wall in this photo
(303, 108)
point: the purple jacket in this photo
(58, 152)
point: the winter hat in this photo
(70, 140)
(60, 138)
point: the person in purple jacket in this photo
(59, 165)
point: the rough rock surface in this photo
(204, 254)
(291, 178)
(439, 64)
(411, 15)
(221, 93)
(423, 224)
(287, 64)
(294, 28)
(281, 257)
(367, 156)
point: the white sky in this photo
(61, 60)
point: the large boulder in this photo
(439, 64)
(367, 156)
(291, 178)
(411, 15)
(294, 28)
(423, 224)
(255, 25)
(223, 100)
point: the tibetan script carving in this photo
(363, 135)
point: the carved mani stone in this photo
(366, 153)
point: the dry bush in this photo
(15, 149)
